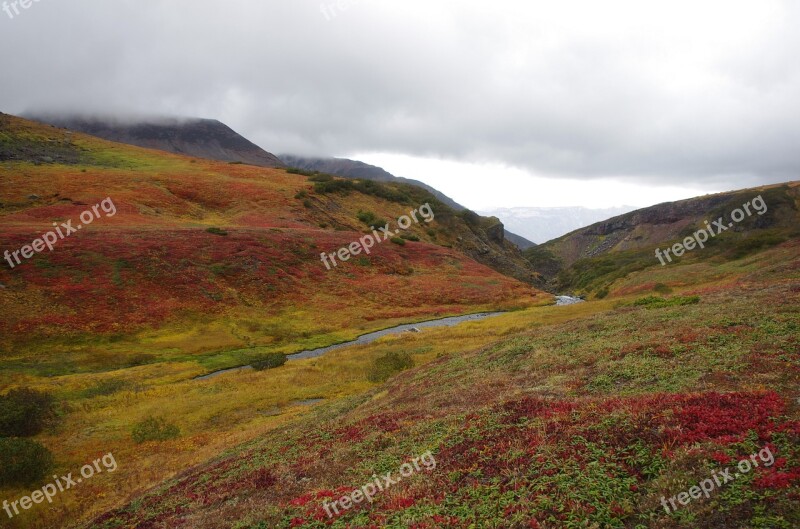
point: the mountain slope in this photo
(201, 138)
(355, 169)
(234, 238)
(593, 258)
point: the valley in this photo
(537, 415)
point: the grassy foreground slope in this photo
(559, 417)
(205, 265)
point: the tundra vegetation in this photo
(545, 417)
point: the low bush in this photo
(217, 231)
(366, 187)
(398, 241)
(367, 217)
(296, 170)
(656, 302)
(152, 429)
(389, 364)
(25, 412)
(319, 177)
(269, 361)
(23, 462)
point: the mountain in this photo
(355, 169)
(201, 138)
(735, 223)
(544, 224)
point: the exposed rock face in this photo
(201, 138)
(496, 231)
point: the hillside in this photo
(355, 169)
(236, 240)
(185, 266)
(201, 138)
(594, 415)
(590, 260)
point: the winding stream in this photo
(368, 338)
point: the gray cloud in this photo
(666, 92)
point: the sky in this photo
(497, 104)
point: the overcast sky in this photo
(501, 103)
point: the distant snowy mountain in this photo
(544, 224)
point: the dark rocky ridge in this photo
(200, 138)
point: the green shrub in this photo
(371, 220)
(307, 203)
(410, 237)
(301, 195)
(152, 429)
(25, 412)
(319, 177)
(656, 302)
(367, 217)
(326, 184)
(755, 243)
(602, 293)
(387, 365)
(217, 231)
(333, 186)
(23, 462)
(398, 241)
(270, 361)
(296, 170)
